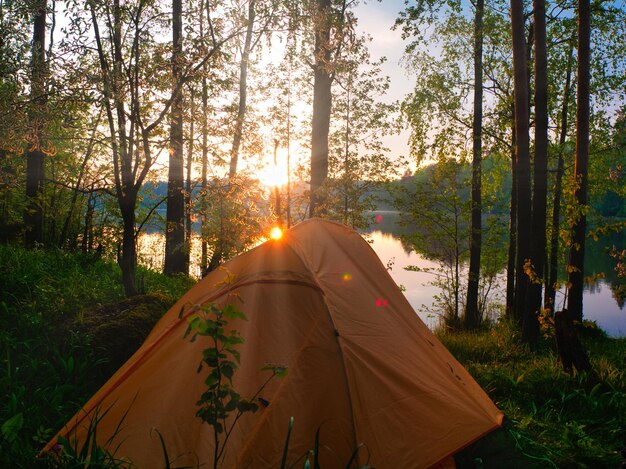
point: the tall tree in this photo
(358, 164)
(550, 295)
(522, 156)
(130, 76)
(243, 90)
(35, 155)
(530, 330)
(512, 247)
(204, 249)
(188, 179)
(322, 102)
(577, 254)
(175, 247)
(472, 314)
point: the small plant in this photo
(311, 456)
(72, 453)
(221, 400)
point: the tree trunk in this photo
(277, 204)
(530, 330)
(512, 251)
(472, 314)
(189, 188)
(175, 247)
(288, 204)
(577, 253)
(127, 202)
(522, 156)
(556, 205)
(205, 159)
(571, 351)
(33, 214)
(322, 103)
(346, 158)
(243, 91)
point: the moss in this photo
(117, 330)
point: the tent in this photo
(362, 368)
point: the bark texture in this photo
(577, 253)
(175, 247)
(472, 313)
(530, 331)
(522, 157)
(322, 103)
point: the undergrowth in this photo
(48, 367)
(552, 419)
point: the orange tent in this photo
(362, 367)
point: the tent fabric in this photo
(362, 367)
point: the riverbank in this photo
(50, 366)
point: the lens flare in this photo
(382, 302)
(346, 277)
(276, 233)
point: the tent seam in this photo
(337, 336)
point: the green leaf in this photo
(231, 405)
(286, 446)
(227, 370)
(211, 380)
(11, 427)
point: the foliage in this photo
(235, 220)
(358, 161)
(49, 370)
(438, 210)
(552, 419)
(221, 400)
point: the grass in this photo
(48, 365)
(48, 368)
(552, 419)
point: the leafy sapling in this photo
(220, 400)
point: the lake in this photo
(598, 302)
(599, 305)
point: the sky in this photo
(377, 19)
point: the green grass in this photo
(552, 419)
(48, 368)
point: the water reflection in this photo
(603, 301)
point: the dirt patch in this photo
(117, 330)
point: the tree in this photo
(36, 152)
(434, 204)
(322, 101)
(358, 164)
(522, 156)
(577, 253)
(243, 91)
(131, 78)
(550, 294)
(175, 246)
(530, 331)
(333, 28)
(437, 110)
(472, 318)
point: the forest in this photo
(205, 124)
